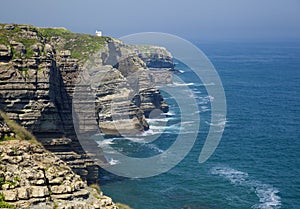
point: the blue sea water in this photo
(257, 163)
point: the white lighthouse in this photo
(98, 33)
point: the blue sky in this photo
(190, 19)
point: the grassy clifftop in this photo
(80, 45)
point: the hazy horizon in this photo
(204, 20)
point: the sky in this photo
(195, 20)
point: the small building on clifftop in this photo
(98, 33)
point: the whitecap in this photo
(169, 113)
(154, 120)
(105, 142)
(221, 123)
(149, 132)
(196, 91)
(136, 139)
(267, 194)
(155, 148)
(205, 110)
(234, 176)
(112, 161)
(181, 84)
(205, 84)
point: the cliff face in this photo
(127, 89)
(38, 72)
(34, 91)
(31, 177)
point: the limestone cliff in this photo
(39, 68)
(31, 177)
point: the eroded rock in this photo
(70, 192)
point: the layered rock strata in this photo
(39, 70)
(31, 177)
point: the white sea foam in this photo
(105, 142)
(220, 124)
(204, 100)
(234, 176)
(169, 113)
(267, 194)
(204, 107)
(182, 84)
(205, 84)
(196, 91)
(155, 120)
(149, 132)
(155, 148)
(136, 139)
(112, 161)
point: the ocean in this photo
(257, 163)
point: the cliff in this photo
(31, 177)
(39, 68)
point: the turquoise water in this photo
(257, 162)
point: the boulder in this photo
(9, 27)
(39, 191)
(18, 47)
(5, 52)
(10, 195)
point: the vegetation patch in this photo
(4, 204)
(123, 206)
(20, 132)
(80, 45)
(97, 187)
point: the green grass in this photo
(2, 182)
(123, 206)
(4, 34)
(20, 132)
(17, 178)
(3, 39)
(82, 46)
(52, 32)
(97, 187)
(4, 204)
(16, 35)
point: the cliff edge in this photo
(39, 68)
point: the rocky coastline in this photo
(39, 70)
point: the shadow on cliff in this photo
(55, 128)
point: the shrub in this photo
(4, 204)
(20, 132)
(123, 206)
(97, 187)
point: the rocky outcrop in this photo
(126, 92)
(155, 56)
(31, 177)
(39, 70)
(5, 52)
